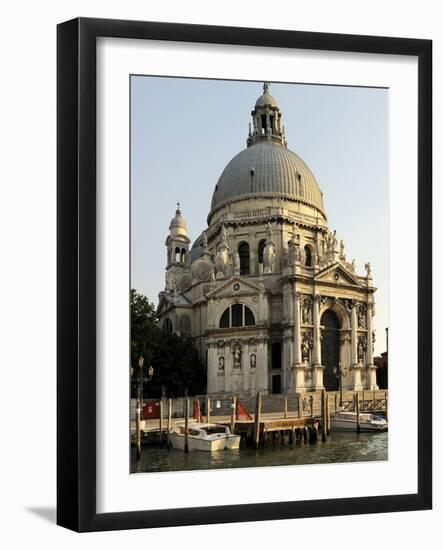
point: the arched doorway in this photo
(330, 349)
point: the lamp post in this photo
(340, 374)
(139, 404)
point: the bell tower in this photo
(266, 120)
(177, 242)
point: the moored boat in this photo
(203, 437)
(347, 420)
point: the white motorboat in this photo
(344, 420)
(203, 437)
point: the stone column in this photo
(298, 368)
(317, 368)
(354, 359)
(287, 361)
(228, 366)
(212, 367)
(356, 367)
(245, 366)
(211, 313)
(297, 341)
(371, 379)
(369, 352)
(316, 351)
(262, 365)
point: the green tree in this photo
(176, 362)
(145, 330)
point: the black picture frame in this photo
(76, 279)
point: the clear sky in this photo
(185, 131)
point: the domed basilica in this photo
(266, 291)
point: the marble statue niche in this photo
(237, 357)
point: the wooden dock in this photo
(300, 417)
(277, 430)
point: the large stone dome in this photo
(267, 168)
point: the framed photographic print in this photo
(244, 274)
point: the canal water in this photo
(340, 447)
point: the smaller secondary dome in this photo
(266, 99)
(178, 224)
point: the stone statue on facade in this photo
(342, 250)
(237, 357)
(353, 264)
(331, 245)
(360, 350)
(222, 256)
(362, 317)
(294, 254)
(253, 361)
(204, 241)
(236, 263)
(368, 270)
(306, 312)
(260, 270)
(305, 347)
(221, 362)
(269, 251)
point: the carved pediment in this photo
(236, 286)
(337, 274)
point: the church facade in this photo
(266, 290)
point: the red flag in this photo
(241, 413)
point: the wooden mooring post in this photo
(257, 420)
(324, 422)
(357, 410)
(208, 410)
(285, 410)
(328, 416)
(299, 405)
(186, 424)
(233, 411)
(160, 422)
(312, 406)
(169, 424)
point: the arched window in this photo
(177, 254)
(243, 252)
(308, 256)
(183, 256)
(261, 247)
(167, 326)
(237, 315)
(225, 321)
